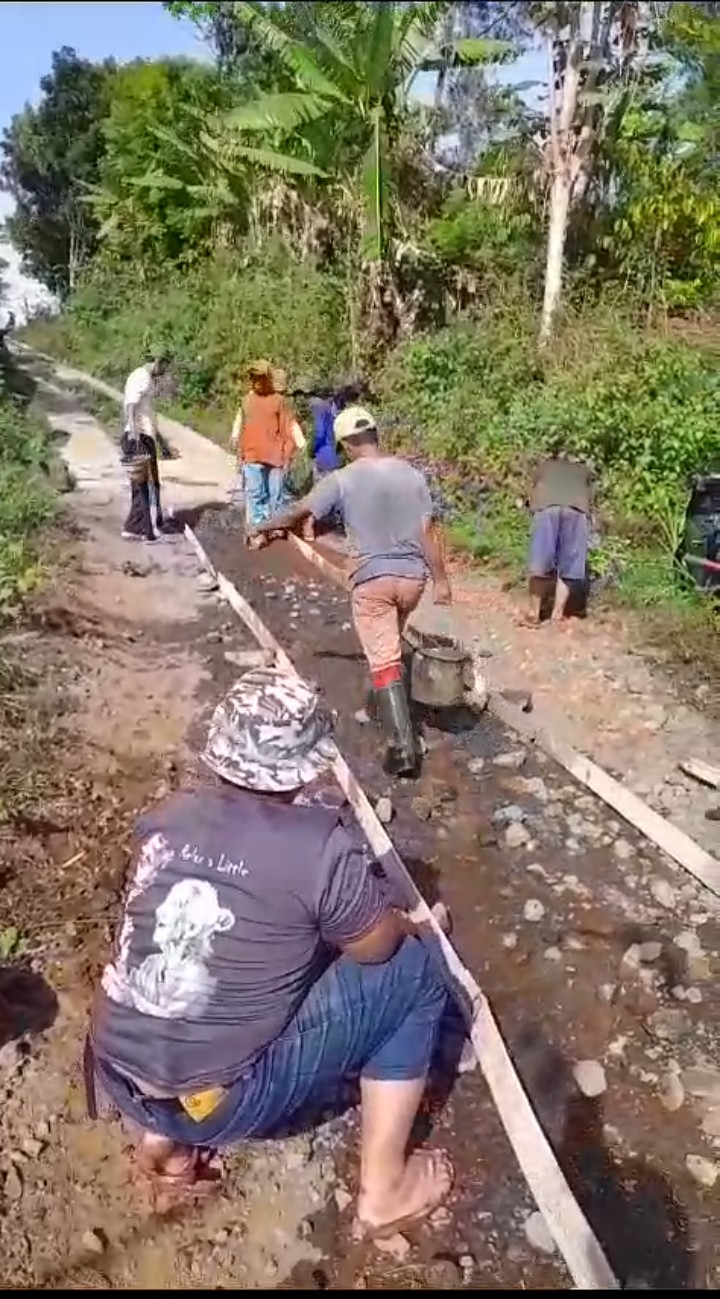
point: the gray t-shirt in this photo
(384, 503)
(233, 903)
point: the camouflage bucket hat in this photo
(270, 733)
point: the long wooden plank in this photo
(566, 1222)
(678, 845)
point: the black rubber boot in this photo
(393, 710)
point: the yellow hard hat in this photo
(353, 420)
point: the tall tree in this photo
(50, 155)
(156, 198)
(598, 54)
(353, 68)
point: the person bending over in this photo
(394, 542)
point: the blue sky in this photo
(125, 29)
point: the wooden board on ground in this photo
(565, 1219)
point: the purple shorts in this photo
(559, 543)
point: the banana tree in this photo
(351, 68)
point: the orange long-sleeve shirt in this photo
(266, 433)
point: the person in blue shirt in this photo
(324, 454)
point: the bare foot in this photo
(166, 1160)
(159, 1156)
(425, 1183)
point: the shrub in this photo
(26, 497)
(213, 320)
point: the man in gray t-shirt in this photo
(260, 963)
(394, 543)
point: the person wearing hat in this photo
(394, 544)
(138, 449)
(260, 964)
(265, 435)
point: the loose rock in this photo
(13, 1187)
(705, 1171)
(516, 836)
(689, 942)
(623, 850)
(535, 786)
(669, 1025)
(590, 1077)
(650, 952)
(663, 893)
(509, 814)
(533, 910)
(514, 759)
(93, 1242)
(475, 766)
(630, 962)
(343, 1198)
(538, 1234)
(671, 1092)
(703, 1081)
(423, 808)
(384, 811)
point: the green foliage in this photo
(643, 409)
(492, 239)
(50, 155)
(213, 320)
(26, 496)
(155, 199)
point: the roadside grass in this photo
(29, 483)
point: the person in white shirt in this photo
(139, 450)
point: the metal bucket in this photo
(439, 668)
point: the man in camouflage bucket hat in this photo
(269, 734)
(260, 964)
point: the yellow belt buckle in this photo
(200, 1105)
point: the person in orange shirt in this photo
(264, 434)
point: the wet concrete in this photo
(553, 970)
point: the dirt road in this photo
(600, 957)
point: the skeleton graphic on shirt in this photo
(175, 982)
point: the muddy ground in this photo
(591, 947)
(569, 921)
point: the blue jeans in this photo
(381, 1021)
(265, 493)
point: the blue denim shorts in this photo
(559, 543)
(377, 1021)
